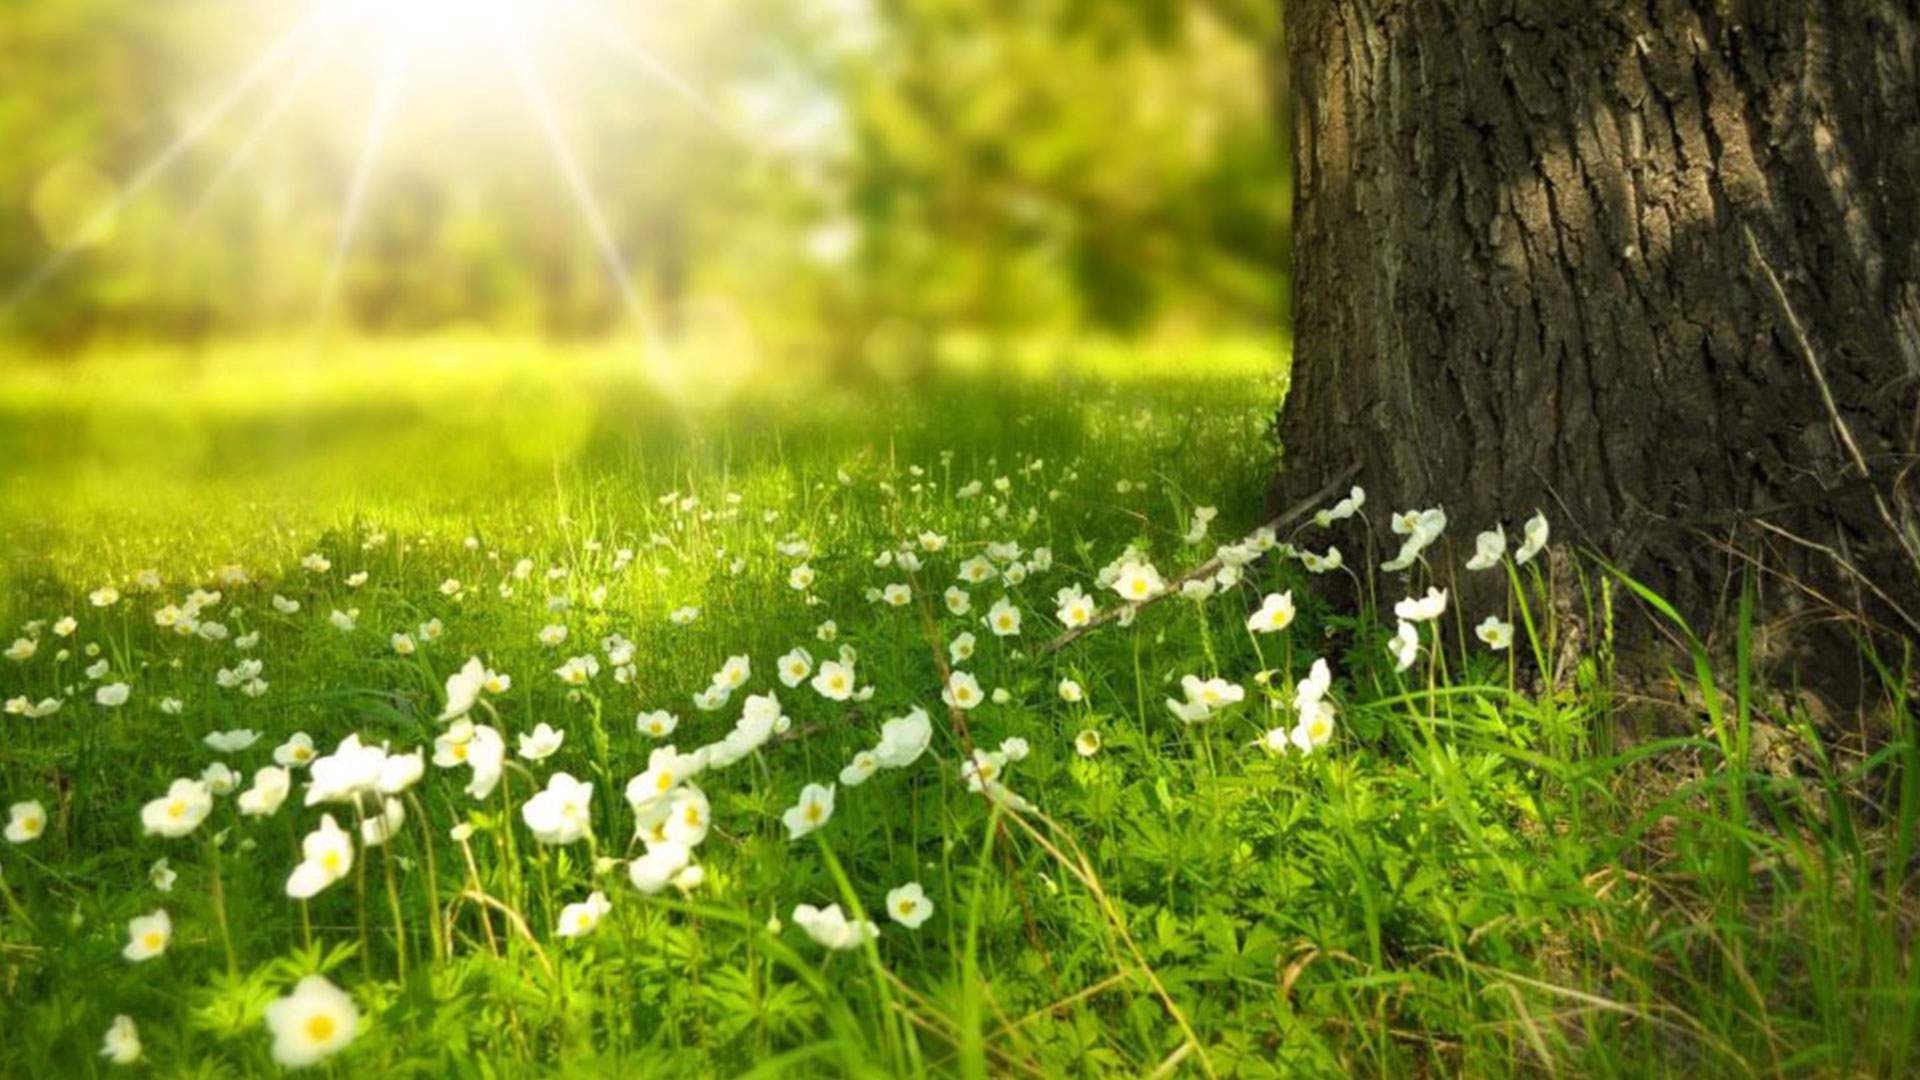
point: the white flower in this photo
(962, 691)
(1189, 711)
(295, 752)
(22, 649)
(343, 621)
(958, 601)
(1138, 581)
(352, 770)
(147, 936)
(1276, 613)
(580, 918)
(463, 688)
(908, 905)
(897, 594)
(578, 670)
(1534, 537)
(683, 616)
(400, 772)
(1075, 608)
(1214, 693)
(666, 769)
(830, 928)
(734, 673)
(562, 813)
(105, 596)
(403, 644)
(1071, 692)
(961, 649)
(540, 743)
(552, 635)
(219, 779)
(801, 578)
(1488, 549)
(486, 752)
(112, 695)
(271, 784)
(1404, 646)
(377, 829)
(1003, 618)
(285, 606)
(1087, 743)
(122, 1043)
(1314, 729)
(794, 667)
(658, 867)
(65, 626)
(231, 742)
(161, 874)
(903, 739)
(658, 723)
(1343, 509)
(1014, 748)
(316, 563)
(25, 821)
(1424, 609)
(1321, 564)
(977, 570)
(1495, 633)
(827, 631)
(326, 856)
(863, 765)
(813, 810)
(180, 811)
(314, 1022)
(835, 680)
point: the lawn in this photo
(1165, 847)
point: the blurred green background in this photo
(806, 182)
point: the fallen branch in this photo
(1206, 569)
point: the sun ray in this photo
(153, 170)
(623, 42)
(391, 72)
(267, 121)
(581, 190)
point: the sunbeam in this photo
(584, 200)
(391, 72)
(623, 42)
(268, 120)
(172, 153)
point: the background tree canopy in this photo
(845, 176)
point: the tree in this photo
(1652, 267)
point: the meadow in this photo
(465, 710)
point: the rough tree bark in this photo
(1535, 254)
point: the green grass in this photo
(1484, 873)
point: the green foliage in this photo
(1486, 872)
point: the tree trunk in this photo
(1633, 264)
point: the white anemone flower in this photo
(908, 905)
(314, 1022)
(814, 809)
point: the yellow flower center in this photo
(460, 752)
(319, 1027)
(153, 941)
(176, 809)
(331, 860)
(693, 817)
(837, 682)
(813, 812)
(906, 907)
(31, 824)
(665, 781)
